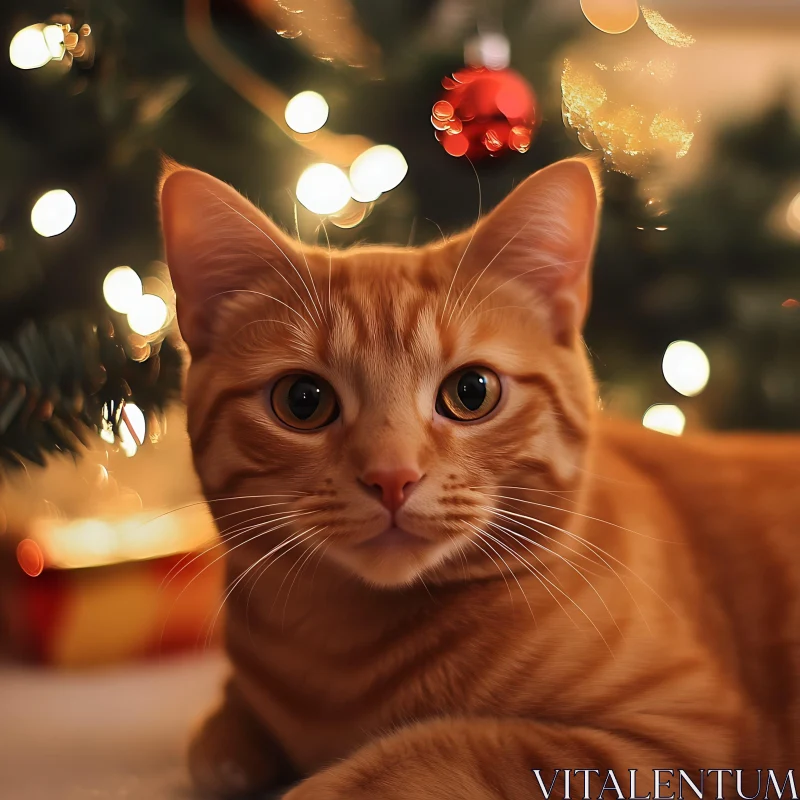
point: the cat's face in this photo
(374, 406)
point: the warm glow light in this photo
(30, 557)
(122, 289)
(377, 170)
(28, 48)
(127, 442)
(306, 112)
(53, 212)
(54, 39)
(148, 315)
(323, 189)
(686, 368)
(665, 419)
(95, 542)
(611, 16)
(793, 214)
(136, 421)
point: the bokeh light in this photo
(148, 315)
(122, 288)
(323, 189)
(686, 368)
(29, 49)
(306, 112)
(665, 419)
(53, 212)
(30, 557)
(611, 16)
(135, 417)
(127, 441)
(377, 170)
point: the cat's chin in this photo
(391, 559)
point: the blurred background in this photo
(393, 121)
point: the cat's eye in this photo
(304, 402)
(468, 394)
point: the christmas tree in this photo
(207, 85)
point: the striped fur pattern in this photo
(566, 599)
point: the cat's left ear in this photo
(543, 236)
(218, 244)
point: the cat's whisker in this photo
(166, 619)
(308, 269)
(484, 535)
(297, 294)
(466, 249)
(305, 560)
(539, 576)
(274, 244)
(544, 565)
(283, 523)
(330, 262)
(567, 562)
(584, 516)
(459, 547)
(565, 594)
(596, 549)
(239, 578)
(311, 533)
(501, 513)
(248, 525)
(502, 574)
(507, 281)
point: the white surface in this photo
(112, 733)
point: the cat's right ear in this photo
(217, 243)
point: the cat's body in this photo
(577, 593)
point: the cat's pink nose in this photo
(394, 485)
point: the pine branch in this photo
(60, 379)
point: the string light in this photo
(53, 212)
(148, 315)
(324, 189)
(665, 419)
(686, 368)
(611, 16)
(122, 289)
(306, 112)
(377, 170)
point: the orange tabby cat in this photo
(447, 569)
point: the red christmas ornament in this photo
(485, 112)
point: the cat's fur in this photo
(631, 600)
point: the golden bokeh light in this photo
(122, 289)
(34, 46)
(665, 419)
(377, 170)
(611, 16)
(148, 315)
(666, 31)
(135, 419)
(686, 368)
(324, 189)
(306, 112)
(53, 212)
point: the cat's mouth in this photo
(393, 538)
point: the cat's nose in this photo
(393, 485)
